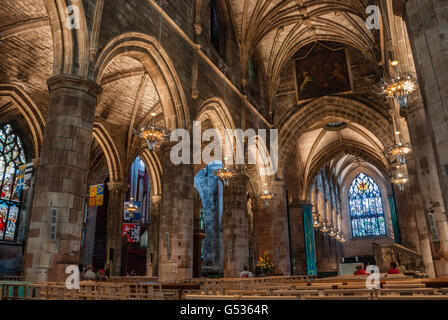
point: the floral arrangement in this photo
(266, 267)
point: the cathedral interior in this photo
(348, 100)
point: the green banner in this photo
(309, 240)
(394, 217)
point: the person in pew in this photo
(90, 275)
(107, 273)
(246, 273)
(100, 275)
(360, 270)
(393, 268)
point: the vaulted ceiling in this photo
(279, 28)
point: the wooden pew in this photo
(208, 297)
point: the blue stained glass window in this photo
(12, 157)
(366, 208)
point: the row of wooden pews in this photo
(269, 288)
(336, 288)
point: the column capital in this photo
(197, 28)
(155, 199)
(118, 186)
(68, 81)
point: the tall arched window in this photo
(214, 25)
(366, 208)
(12, 157)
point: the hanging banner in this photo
(24, 177)
(309, 239)
(96, 195)
(131, 231)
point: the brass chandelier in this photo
(266, 196)
(316, 223)
(152, 133)
(131, 207)
(400, 176)
(225, 174)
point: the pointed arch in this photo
(156, 61)
(71, 46)
(103, 137)
(29, 111)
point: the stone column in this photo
(114, 231)
(428, 179)
(297, 243)
(153, 237)
(271, 229)
(89, 236)
(235, 227)
(428, 33)
(176, 219)
(411, 214)
(61, 183)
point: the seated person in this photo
(360, 270)
(100, 275)
(246, 273)
(393, 269)
(90, 275)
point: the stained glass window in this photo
(366, 208)
(12, 157)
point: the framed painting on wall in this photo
(322, 71)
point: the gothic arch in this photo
(28, 109)
(71, 46)
(103, 137)
(330, 108)
(155, 60)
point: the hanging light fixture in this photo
(338, 236)
(342, 240)
(400, 86)
(266, 196)
(324, 228)
(131, 207)
(332, 232)
(400, 150)
(316, 223)
(152, 133)
(400, 176)
(225, 174)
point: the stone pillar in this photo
(297, 243)
(176, 219)
(152, 256)
(114, 230)
(61, 183)
(428, 33)
(309, 239)
(235, 227)
(411, 214)
(89, 236)
(271, 229)
(428, 179)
